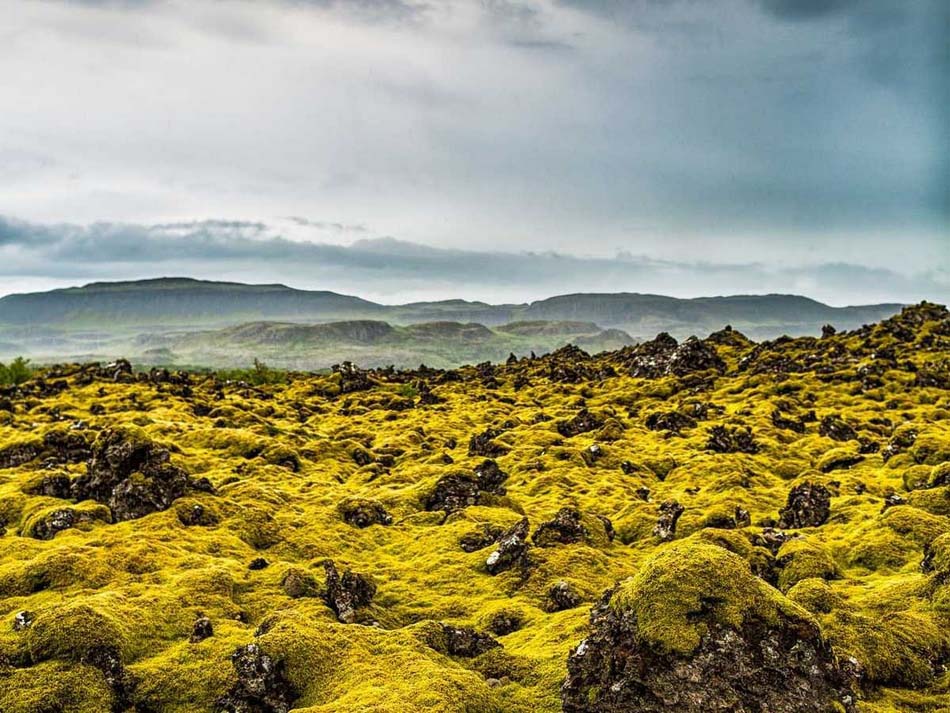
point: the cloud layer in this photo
(777, 132)
(394, 271)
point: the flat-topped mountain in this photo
(101, 318)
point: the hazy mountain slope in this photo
(761, 316)
(368, 343)
(102, 317)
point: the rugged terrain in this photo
(152, 321)
(706, 525)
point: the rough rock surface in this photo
(512, 549)
(583, 422)
(132, 475)
(261, 686)
(461, 641)
(665, 527)
(809, 505)
(347, 592)
(363, 513)
(565, 528)
(749, 654)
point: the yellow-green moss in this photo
(282, 458)
(689, 577)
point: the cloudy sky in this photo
(490, 149)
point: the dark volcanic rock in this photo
(504, 622)
(561, 596)
(809, 505)
(483, 444)
(363, 513)
(23, 620)
(664, 356)
(352, 378)
(453, 492)
(735, 440)
(347, 592)
(743, 650)
(565, 528)
(512, 549)
(665, 527)
(490, 477)
(460, 641)
(132, 475)
(669, 421)
(583, 422)
(459, 490)
(262, 685)
(201, 630)
(835, 428)
(108, 660)
(694, 355)
(480, 539)
(58, 520)
(779, 420)
(18, 454)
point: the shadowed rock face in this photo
(116, 458)
(261, 685)
(757, 669)
(809, 505)
(347, 592)
(751, 653)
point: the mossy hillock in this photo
(466, 540)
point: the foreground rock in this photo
(695, 631)
(347, 592)
(132, 475)
(512, 549)
(809, 505)
(261, 686)
(460, 641)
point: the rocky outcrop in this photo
(696, 632)
(583, 422)
(512, 549)
(347, 592)
(262, 685)
(132, 475)
(460, 641)
(808, 505)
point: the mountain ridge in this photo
(105, 318)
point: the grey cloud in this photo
(400, 271)
(806, 9)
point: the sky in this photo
(502, 150)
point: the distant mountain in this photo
(177, 301)
(369, 343)
(105, 318)
(760, 316)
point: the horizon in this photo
(185, 278)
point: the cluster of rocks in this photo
(778, 662)
(456, 491)
(808, 505)
(583, 422)
(731, 440)
(460, 641)
(131, 475)
(664, 356)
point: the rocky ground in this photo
(712, 525)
